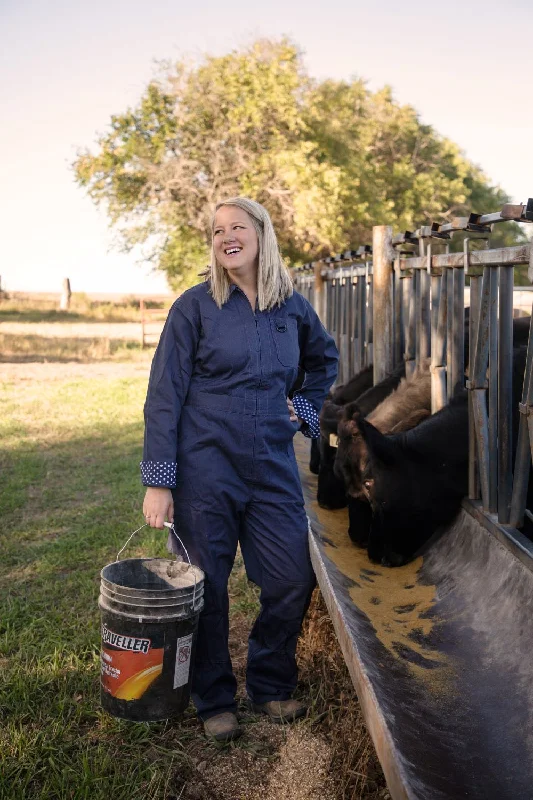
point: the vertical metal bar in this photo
(424, 308)
(410, 335)
(449, 330)
(369, 335)
(356, 321)
(328, 304)
(406, 284)
(321, 294)
(403, 316)
(351, 321)
(458, 332)
(340, 330)
(438, 341)
(382, 254)
(481, 424)
(417, 315)
(397, 294)
(334, 310)
(338, 312)
(505, 388)
(358, 346)
(479, 359)
(331, 307)
(344, 329)
(361, 322)
(475, 299)
(493, 392)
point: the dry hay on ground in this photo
(328, 756)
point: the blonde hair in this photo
(274, 283)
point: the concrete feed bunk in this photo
(439, 652)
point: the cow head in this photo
(331, 492)
(409, 498)
(352, 462)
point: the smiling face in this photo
(235, 241)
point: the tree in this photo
(328, 160)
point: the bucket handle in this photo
(173, 529)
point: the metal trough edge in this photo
(388, 754)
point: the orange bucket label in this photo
(129, 664)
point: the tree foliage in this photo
(328, 159)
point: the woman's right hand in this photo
(158, 505)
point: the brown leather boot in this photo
(222, 727)
(281, 710)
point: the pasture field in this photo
(32, 328)
(70, 494)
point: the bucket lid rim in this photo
(200, 574)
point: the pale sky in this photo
(66, 67)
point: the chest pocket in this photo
(285, 335)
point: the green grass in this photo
(69, 497)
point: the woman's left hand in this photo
(292, 413)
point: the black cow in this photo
(414, 481)
(357, 384)
(331, 492)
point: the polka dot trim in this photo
(307, 412)
(158, 473)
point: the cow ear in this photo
(330, 412)
(351, 411)
(380, 447)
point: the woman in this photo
(219, 460)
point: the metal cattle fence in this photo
(404, 298)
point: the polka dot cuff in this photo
(307, 412)
(158, 473)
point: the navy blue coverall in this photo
(218, 433)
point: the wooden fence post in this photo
(64, 302)
(382, 261)
(320, 291)
(141, 307)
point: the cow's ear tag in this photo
(333, 440)
(281, 327)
